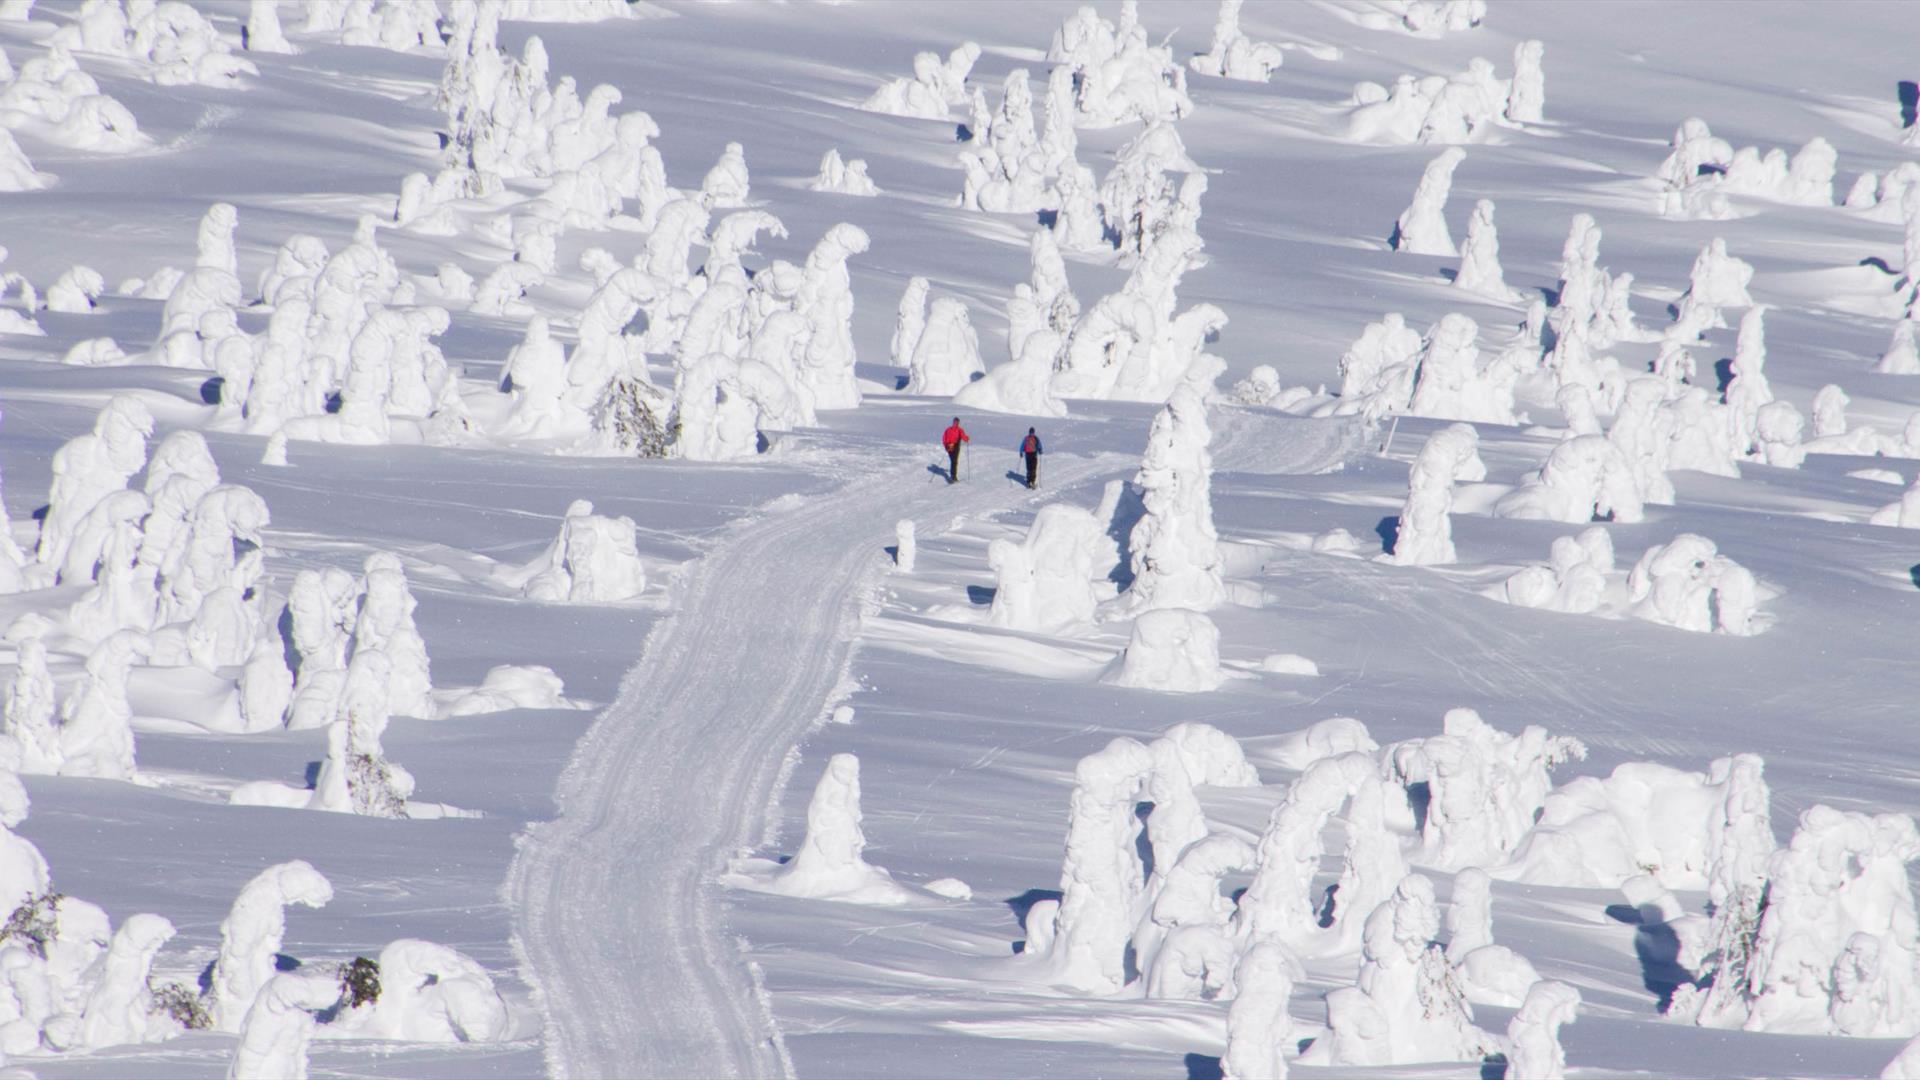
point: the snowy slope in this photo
(599, 881)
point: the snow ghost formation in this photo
(1174, 921)
(594, 560)
(279, 1027)
(1454, 383)
(946, 355)
(1718, 280)
(1259, 1031)
(1688, 830)
(1834, 952)
(429, 993)
(910, 321)
(65, 106)
(96, 722)
(1485, 786)
(843, 177)
(1377, 370)
(1172, 649)
(1130, 345)
(1574, 581)
(1686, 583)
(251, 935)
(1527, 95)
(1488, 974)
(1233, 55)
(934, 87)
(1425, 533)
(1534, 1032)
(1119, 77)
(90, 467)
(1422, 227)
(1175, 551)
(1584, 478)
(1055, 579)
(1480, 271)
(829, 864)
(1702, 171)
(1435, 109)
(1405, 1006)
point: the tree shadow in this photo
(1388, 530)
(1202, 1067)
(1020, 905)
(1126, 514)
(1658, 950)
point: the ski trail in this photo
(619, 924)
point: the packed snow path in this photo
(619, 921)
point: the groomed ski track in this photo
(620, 927)
(619, 921)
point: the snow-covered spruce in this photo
(1435, 109)
(1175, 553)
(1584, 478)
(1405, 1006)
(1425, 533)
(1485, 786)
(1480, 271)
(1702, 171)
(250, 937)
(829, 864)
(1422, 226)
(1533, 1035)
(935, 86)
(1259, 1030)
(1233, 55)
(1056, 578)
(1575, 578)
(1688, 830)
(1686, 583)
(593, 560)
(1173, 924)
(1488, 974)
(1121, 76)
(843, 177)
(946, 353)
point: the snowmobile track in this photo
(620, 927)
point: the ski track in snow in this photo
(617, 905)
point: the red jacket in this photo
(954, 436)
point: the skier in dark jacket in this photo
(1030, 449)
(951, 439)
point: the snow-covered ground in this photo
(734, 770)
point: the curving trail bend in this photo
(619, 921)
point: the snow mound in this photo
(1172, 649)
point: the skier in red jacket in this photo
(951, 439)
(1030, 449)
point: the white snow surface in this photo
(618, 672)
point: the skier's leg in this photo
(953, 463)
(1033, 470)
